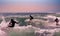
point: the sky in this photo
(15, 6)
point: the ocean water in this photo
(22, 29)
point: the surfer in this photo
(12, 23)
(57, 21)
(31, 17)
(30, 20)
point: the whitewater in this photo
(4, 29)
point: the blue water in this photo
(7, 14)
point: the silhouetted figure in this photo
(12, 23)
(31, 17)
(57, 20)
